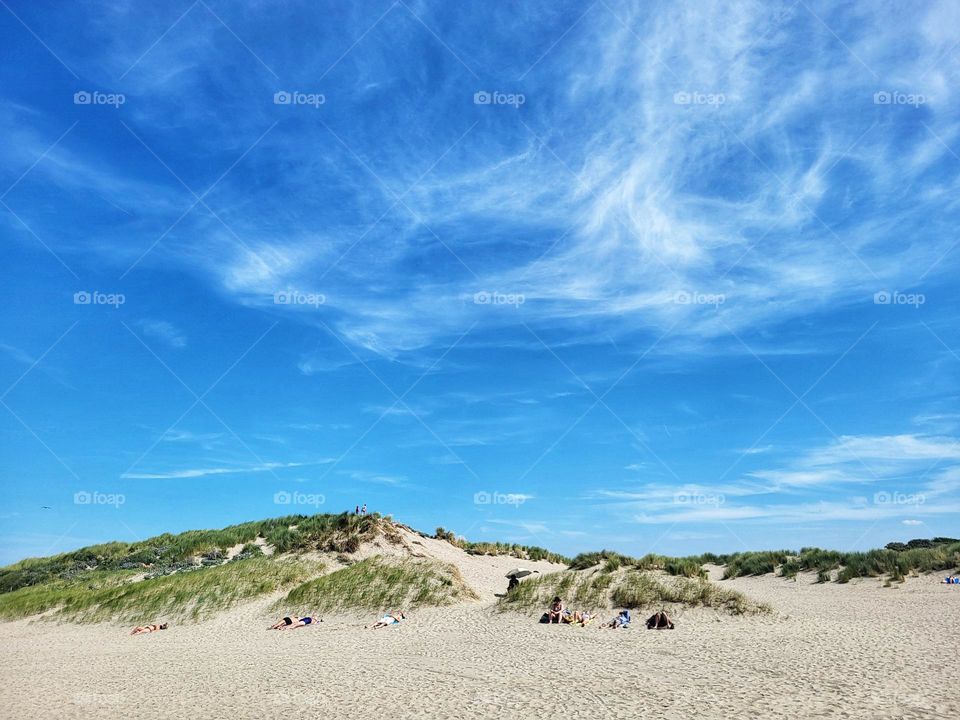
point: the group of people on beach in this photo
(360, 510)
(291, 622)
(558, 614)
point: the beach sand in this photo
(847, 651)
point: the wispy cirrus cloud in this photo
(903, 474)
(208, 471)
(782, 200)
(164, 331)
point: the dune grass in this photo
(168, 553)
(643, 590)
(120, 596)
(521, 552)
(586, 590)
(379, 583)
(631, 587)
(895, 561)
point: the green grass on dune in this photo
(168, 553)
(610, 561)
(895, 561)
(193, 595)
(631, 587)
(521, 552)
(586, 590)
(644, 590)
(380, 583)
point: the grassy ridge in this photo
(896, 561)
(380, 584)
(521, 552)
(630, 587)
(168, 553)
(691, 567)
(115, 595)
(893, 563)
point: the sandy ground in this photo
(844, 651)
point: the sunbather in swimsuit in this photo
(389, 620)
(141, 629)
(302, 622)
(283, 623)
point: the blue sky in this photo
(647, 276)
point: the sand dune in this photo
(845, 651)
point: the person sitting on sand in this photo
(141, 629)
(620, 621)
(659, 621)
(389, 619)
(555, 612)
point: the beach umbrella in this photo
(520, 572)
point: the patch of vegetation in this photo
(686, 567)
(633, 588)
(790, 568)
(522, 552)
(250, 550)
(378, 584)
(895, 561)
(612, 561)
(586, 590)
(117, 595)
(755, 563)
(166, 554)
(642, 590)
(920, 543)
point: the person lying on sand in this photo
(284, 622)
(659, 621)
(141, 629)
(289, 623)
(951, 580)
(389, 619)
(620, 621)
(555, 612)
(303, 622)
(578, 617)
